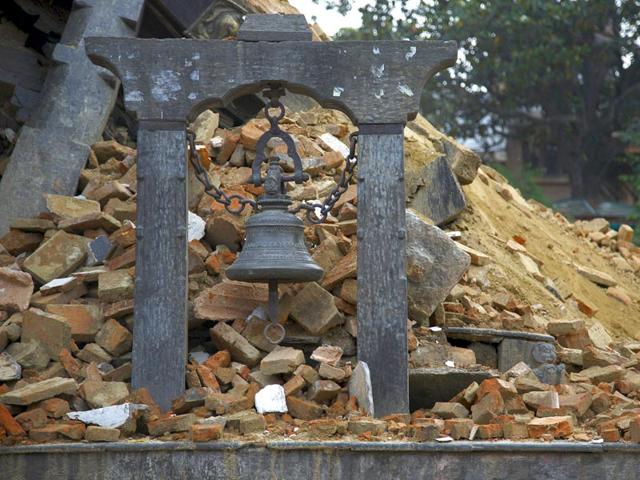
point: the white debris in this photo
(271, 399)
(327, 354)
(10, 369)
(195, 227)
(360, 387)
(198, 357)
(449, 363)
(109, 417)
(216, 142)
(445, 439)
(333, 143)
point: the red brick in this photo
(9, 423)
(206, 433)
(559, 427)
(303, 409)
(490, 430)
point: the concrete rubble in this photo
(531, 355)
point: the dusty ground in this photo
(489, 221)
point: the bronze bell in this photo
(274, 250)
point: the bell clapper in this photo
(274, 332)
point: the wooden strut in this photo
(167, 82)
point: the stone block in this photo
(434, 265)
(57, 257)
(440, 197)
(115, 285)
(43, 390)
(71, 207)
(85, 320)
(99, 394)
(314, 308)
(52, 331)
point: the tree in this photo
(561, 76)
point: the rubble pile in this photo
(478, 256)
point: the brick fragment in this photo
(490, 431)
(52, 331)
(34, 418)
(246, 422)
(359, 426)
(57, 257)
(99, 394)
(515, 430)
(51, 432)
(101, 434)
(314, 308)
(206, 432)
(281, 360)
(16, 288)
(303, 409)
(458, 428)
(323, 390)
(114, 338)
(226, 338)
(10, 424)
(176, 423)
(448, 410)
(488, 408)
(35, 392)
(226, 403)
(559, 427)
(115, 285)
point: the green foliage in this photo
(631, 137)
(525, 181)
(559, 75)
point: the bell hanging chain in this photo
(209, 188)
(317, 212)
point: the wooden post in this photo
(160, 326)
(382, 281)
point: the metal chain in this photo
(210, 189)
(315, 217)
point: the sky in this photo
(330, 20)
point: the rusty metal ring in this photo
(279, 330)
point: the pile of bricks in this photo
(600, 402)
(66, 319)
